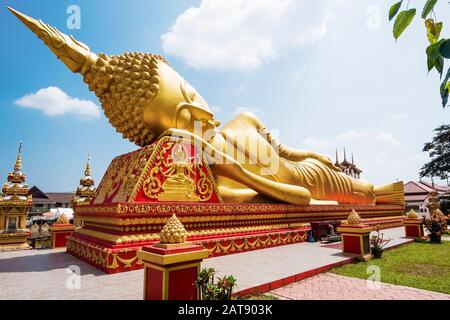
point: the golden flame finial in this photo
(412, 214)
(18, 164)
(173, 231)
(354, 218)
(74, 54)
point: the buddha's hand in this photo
(326, 161)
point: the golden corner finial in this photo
(354, 218)
(74, 54)
(62, 219)
(18, 164)
(412, 214)
(173, 231)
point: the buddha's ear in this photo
(187, 113)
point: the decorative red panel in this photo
(352, 244)
(154, 284)
(181, 284)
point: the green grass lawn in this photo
(419, 265)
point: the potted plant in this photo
(434, 226)
(205, 283)
(377, 243)
(226, 285)
(222, 290)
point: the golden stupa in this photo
(86, 189)
(15, 203)
(144, 99)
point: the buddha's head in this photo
(140, 93)
(142, 96)
(176, 104)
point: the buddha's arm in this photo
(224, 165)
(284, 151)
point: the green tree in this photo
(438, 49)
(439, 152)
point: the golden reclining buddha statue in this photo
(144, 99)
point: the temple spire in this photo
(15, 186)
(337, 159)
(86, 189)
(353, 162)
(18, 164)
(345, 155)
(87, 171)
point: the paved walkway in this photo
(255, 268)
(330, 286)
(44, 274)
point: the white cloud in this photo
(243, 34)
(399, 116)
(52, 101)
(246, 109)
(352, 135)
(313, 144)
(215, 109)
(299, 73)
(385, 138)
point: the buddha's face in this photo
(177, 105)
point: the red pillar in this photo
(171, 270)
(356, 240)
(413, 228)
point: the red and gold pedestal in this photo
(59, 233)
(170, 270)
(413, 228)
(14, 240)
(356, 240)
(142, 189)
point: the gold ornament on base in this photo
(412, 214)
(173, 231)
(354, 218)
(62, 219)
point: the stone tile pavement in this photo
(43, 274)
(330, 286)
(259, 267)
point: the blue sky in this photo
(323, 73)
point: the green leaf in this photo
(445, 95)
(439, 65)
(394, 9)
(430, 64)
(433, 50)
(402, 21)
(433, 30)
(429, 5)
(444, 49)
(445, 88)
(434, 58)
